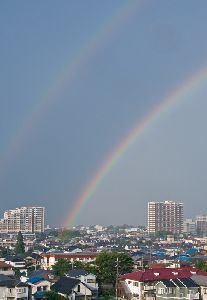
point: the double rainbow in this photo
(178, 96)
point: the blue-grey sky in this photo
(75, 78)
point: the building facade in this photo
(201, 225)
(24, 219)
(189, 226)
(165, 216)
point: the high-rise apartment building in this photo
(24, 219)
(165, 216)
(201, 225)
(189, 226)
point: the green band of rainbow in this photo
(176, 97)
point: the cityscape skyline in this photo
(76, 86)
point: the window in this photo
(91, 281)
(169, 290)
(135, 283)
(161, 291)
(129, 282)
(79, 288)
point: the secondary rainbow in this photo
(178, 96)
(65, 79)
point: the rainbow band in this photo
(65, 79)
(176, 97)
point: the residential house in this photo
(11, 289)
(72, 289)
(142, 284)
(181, 288)
(39, 286)
(6, 269)
(202, 282)
(88, 279)
(16, 262)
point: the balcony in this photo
(193, 296)
(149, 288)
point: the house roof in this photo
(168, 283)
(4, 278)
(200, 279)
(35, 279)
(65, 285)
(182, 282)
(162, 273)
(77, 273)
(4, 265)
(70, 255)
(189, 282)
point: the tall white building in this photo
(24, 219)
(165, 216)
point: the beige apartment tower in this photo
(24, 219)
(165, 216)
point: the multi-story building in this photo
(24, 219)
(189, 226)
(165, 216)
(201, 225)
(50, 258)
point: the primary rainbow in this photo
(176, 97)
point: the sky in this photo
(76, 76)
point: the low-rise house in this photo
(202, 282)
(39, 286)
(34, 260)
(83, 276)
(16, 262)
(182, 288)
(6, 269)
(46, 274)
(72, 289)
(11, 289)
(88, 279)
(142, 284)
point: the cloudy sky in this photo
(76, 77)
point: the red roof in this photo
(162, 273)
(70, 255)
(5, 265)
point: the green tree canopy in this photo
(201, 265)
(66, 234)
(19, 247)
(61, 266)
(51, 295)
(106, 265)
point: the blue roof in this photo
(39, 294)
(35, 279)
(191, 251)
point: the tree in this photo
(19, 247)
(51, 295)
(201, 265)
(66, 234)
(109, 263)
(61, 266)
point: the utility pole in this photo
(117, 274)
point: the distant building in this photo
(50, 258)
(165, 216)
(189, 226)
(24, 219)
(201, 225)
